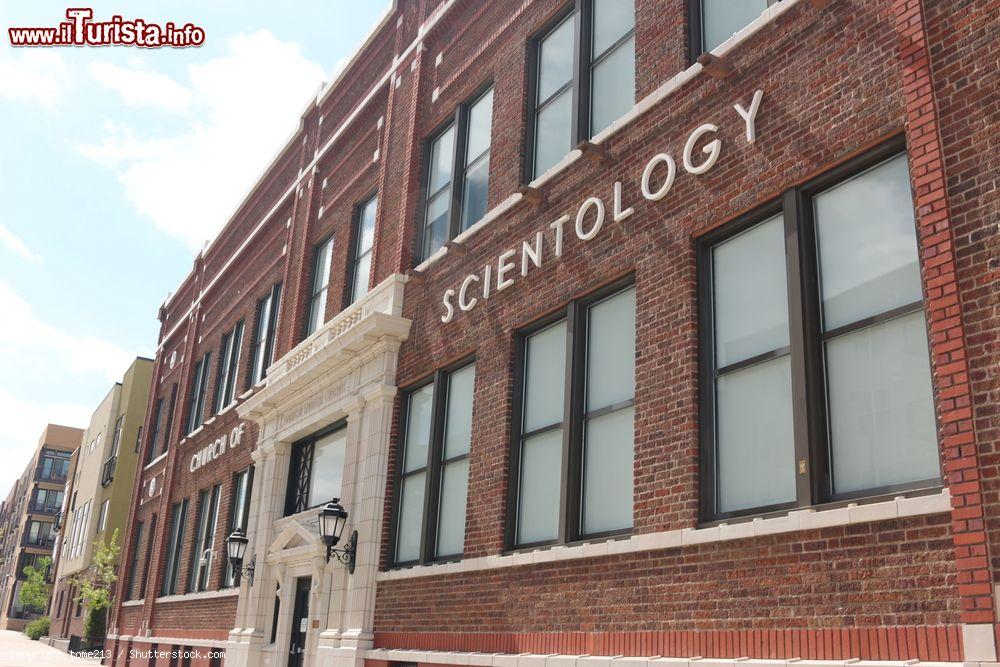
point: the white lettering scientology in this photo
(214, 450)
(591, 216)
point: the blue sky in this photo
(116, 164)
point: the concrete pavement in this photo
(16, 650)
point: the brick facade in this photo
(839, 79)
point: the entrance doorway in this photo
(300, 622)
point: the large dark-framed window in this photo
(264, 335)
(199, 392)
(816, 383)
(316, 469)
(432, 470)
(47, 501)
(239, 515)
(175, 547)
(457, 170)
(572, 456)
(229, 363)
(204, 538)
(147, 557)
(711, 22)
(53, 465)
(360, 265)
(133, 560)
(319, 283)
(582, 78)
(157, 431)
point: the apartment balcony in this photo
(108, 471)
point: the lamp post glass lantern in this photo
(332, 520)
(236, 548)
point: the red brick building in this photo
(610, 351)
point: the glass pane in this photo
(756, 451)
(327, 467)
(552, 132)
(607, 472)
(436, 231)
(722, 18)
(611, 351)
(418, 428)
(480, 125)
(442, 156)
(867, 245)
(545, 377)
(458, 421)
(555, 60)
(750, 293)
(317, 312)
(475, 191)
(321, 275)
(366, 233)
(613, 91)
(411, 518)
(882, 429)
(361, 275)
(538, 502)
(612, 19)
(451, 521)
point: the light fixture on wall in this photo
(236, 548)
(332, 520)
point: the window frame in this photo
(200, 576)
(581, 12)
(228, 573)
(133, 561)
(175, 548)
(433, 468)
(573, 421)
(357, 215)
(199, 393)
(294, 486)
(155, 432)
(696, 29)
(806, 338)
(228, 364)
(265, 345)
(459, 120)
(313, 292)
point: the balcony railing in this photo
(108, 472)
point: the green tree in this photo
(96, 585)
(35, 589)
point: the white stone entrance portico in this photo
(345, 372)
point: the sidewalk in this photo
(16, 650)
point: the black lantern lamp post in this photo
(236, 548)
(332, 520)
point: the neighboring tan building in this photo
(98, 498)
(28, 518)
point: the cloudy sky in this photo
(116, 164)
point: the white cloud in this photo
(139, 86)
(33, 75)
(25, 339)
(243, 105)
(13, 243)
(62, 362)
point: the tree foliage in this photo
(35, 589)
(97, 583)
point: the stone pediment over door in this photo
(297, 540)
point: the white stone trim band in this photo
(555, 660)
(806, 519)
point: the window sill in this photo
(202, 595)
(789, 522)
(134, 603)
(155, 461)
